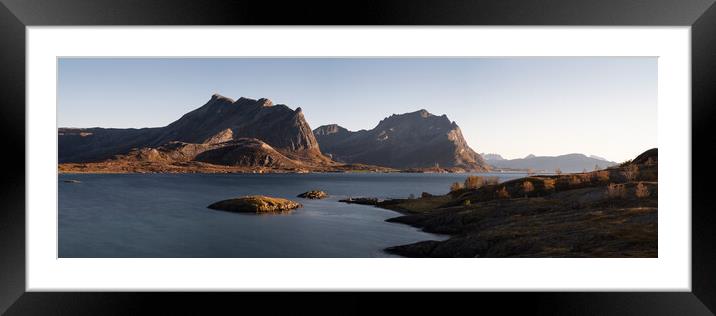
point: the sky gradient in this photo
(605, 106)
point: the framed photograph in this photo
(455, 147)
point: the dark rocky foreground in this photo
(607, 213)
(361, 200)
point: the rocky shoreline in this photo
(605, 213)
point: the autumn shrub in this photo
(641, 191)
(474, 182)
(527, 187)
(549, 184)
(503, 194)
(602, 176)
(616, 191)
(456, 186)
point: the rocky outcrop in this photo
(412, 140)
(361, 200)
(313, 195)
(255, 204)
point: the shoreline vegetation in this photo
(603, 213)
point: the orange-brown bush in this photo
(503, 194)
(549, 184)
(616, 191)
(602, 176)
(474, 182)
(455, 186)
(641, 191)
(527, 187)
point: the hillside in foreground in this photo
(605, 213)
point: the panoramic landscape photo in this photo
(357, 157)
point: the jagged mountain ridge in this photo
(411, 140)
(220, 119)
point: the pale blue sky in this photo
(605, 106)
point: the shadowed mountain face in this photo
(566, 163)
(219, 120)
(412, 140)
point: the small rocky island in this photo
(256, 204)
(313, 195)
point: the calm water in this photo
(165, 215)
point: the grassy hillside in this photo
(604, 213)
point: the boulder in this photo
(313, 194)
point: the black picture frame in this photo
(15, 15)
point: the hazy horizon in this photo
(604, 106)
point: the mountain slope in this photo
(411, 140)
(239, 152)
(220, 119)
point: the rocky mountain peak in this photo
(329, 129)
(265, 102)
(219, 97)
(410, 140)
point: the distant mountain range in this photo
(411, 140)
(256, 133)
(566, 163)
(259, 134)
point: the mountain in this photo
(566, 163)
(260, 123)
(598, 157)
(411, 140)
(491, 156)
